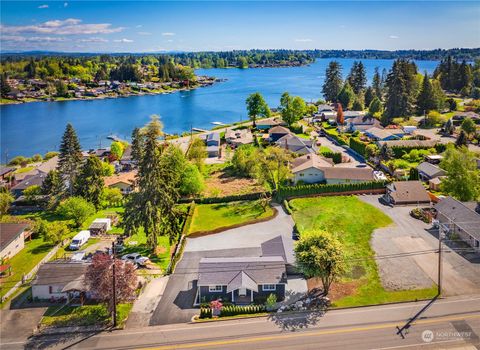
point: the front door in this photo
(242, 292)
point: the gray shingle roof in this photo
(464, 217)
(430, 170)
(408, 192)
(60, 273)
(222, 271)
(9, 232)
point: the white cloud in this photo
(69, 26)
(19, 38)
(123, 40)
(144, 33)
(93, 40)
(65, 4)
(138, 26)
(168, 34)
(43, 7)
(303, 40)
(393, 37)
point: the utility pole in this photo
(440, 239)
(114, 289)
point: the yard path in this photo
(460, 275)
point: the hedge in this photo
(335, 136)
(358, 146)
(181, 244)
(399, 151)
(233, 310)
(335, 156)
(226, 199)
(304, 190)
(287, 207)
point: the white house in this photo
(12, 239)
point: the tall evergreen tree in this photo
(426, 98)
(69, 157)
(89, 183)
(333, 81)
(377, 83)
(4, 87)
(357, 77)
(153, 206)
(52, 185)
(401, 89)
(346, 97)
(137, 145)
(369, 95)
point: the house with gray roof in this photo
(460, 219)
(246, 280)
(296, 144)
(213, 144)
(428, 171)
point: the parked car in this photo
(136, 259)
(80, 239)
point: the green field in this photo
(353, 221)
(208, 217)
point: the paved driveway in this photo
(16, 325)
(246, 236)
(176, 303)
(346, 152)
(460, 276)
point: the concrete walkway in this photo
(146, 303)
(246, 236)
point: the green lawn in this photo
(22, 263)
(137, 243)
(353, 221)
(103, 214)
(86, 315)
(208, 217)
(324, 149)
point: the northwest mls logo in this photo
(427, 336)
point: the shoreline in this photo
(205, 83)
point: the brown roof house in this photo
(407, 193)
(12, 239)
(125, 181)
(312, 168)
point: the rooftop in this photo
(9, 232)
(408, 192)
(60, 273)
(461, 214)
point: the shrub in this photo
(335, 156)
(358, 146)
(271, 302)
(305, 190)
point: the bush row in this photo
(335, 136)
(226, 199)
(358, 146)
(303, 190)
(206, 312)
(181, 244)
(399, 151)
(335, 156)
(287, 207)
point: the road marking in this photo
(300, 335)
(420, 344)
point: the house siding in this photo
(260, 297)
(309, 176)
(13, 247)
(42, 292)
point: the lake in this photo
(37, 127)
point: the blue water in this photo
(31, 128)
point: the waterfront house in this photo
(461, 219)
(407, 193)
(266, 124)
(57, 280)
(213, 144)
(277, 132)
(312, 168)
(428, 171)
(237, 138)
(296, 144)
(126, 161)
(12, 239)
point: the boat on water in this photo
(218, 123)
(113, 137)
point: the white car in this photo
(136, 259)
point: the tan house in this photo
(12, 239)
(312, 168)
(407, 193)
(124, 181)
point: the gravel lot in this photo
(460, 276)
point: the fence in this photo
(331, 189)
(31, 273)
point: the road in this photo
(453, 322)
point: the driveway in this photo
(16, 325)
(246, 236)
(346, 152)
(176, 303)
(460, 276)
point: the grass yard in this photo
(137, 243)
(103, 214)
(353, 221)
(86, 315)
(324, 149)
(22, 263)
(208, 217)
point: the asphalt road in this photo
(451, 322)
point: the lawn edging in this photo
(224, 228)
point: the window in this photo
(267, 287)
(215, 289)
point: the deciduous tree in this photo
(257, 107)
(76, 209)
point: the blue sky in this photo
(148, 26)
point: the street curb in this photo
(391, 303)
